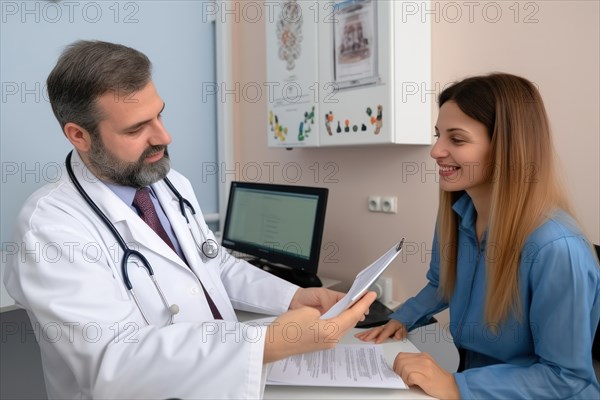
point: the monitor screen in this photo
(281, 224)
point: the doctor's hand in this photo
(302, 331)
(380, 334)
(421, 369)
(320, 298)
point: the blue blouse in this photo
(545, 354)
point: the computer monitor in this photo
(280, 225)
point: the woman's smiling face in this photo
(462, 151)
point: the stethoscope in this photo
(209, 247)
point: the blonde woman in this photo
(520, 279)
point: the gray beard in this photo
(136, 174)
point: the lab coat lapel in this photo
(206, 271)
(127, 222)
(171, 208)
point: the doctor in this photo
(95, 341)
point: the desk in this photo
(391, 348)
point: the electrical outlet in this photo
(389, 204)
(374, 204)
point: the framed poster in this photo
(292, 75)
(355, 47)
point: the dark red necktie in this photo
(143, 203)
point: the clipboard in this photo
(364, 280)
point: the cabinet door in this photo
(355, 72)
(414, 93)
(352, 72)
(292, 75)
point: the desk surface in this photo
(391, 348)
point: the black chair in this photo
(596, 343)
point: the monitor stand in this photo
(300, 278)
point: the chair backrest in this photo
(596, 343)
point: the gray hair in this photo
(88, 69)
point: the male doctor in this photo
(94, 340)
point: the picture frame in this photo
(355, 44)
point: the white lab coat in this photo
(93, 340)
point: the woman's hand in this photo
(380, 334)
(421, 369)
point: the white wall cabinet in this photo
(354, 72)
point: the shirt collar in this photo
(466, 211)
(126, 193)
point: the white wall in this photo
(556, 44)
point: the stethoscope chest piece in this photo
(210, 248)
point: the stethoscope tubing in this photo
(209, 247)
(129, 252)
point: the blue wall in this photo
(176, 35)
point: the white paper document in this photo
(364, 280)
(346, 365)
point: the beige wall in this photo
(559, 52)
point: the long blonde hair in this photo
(525, 187)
